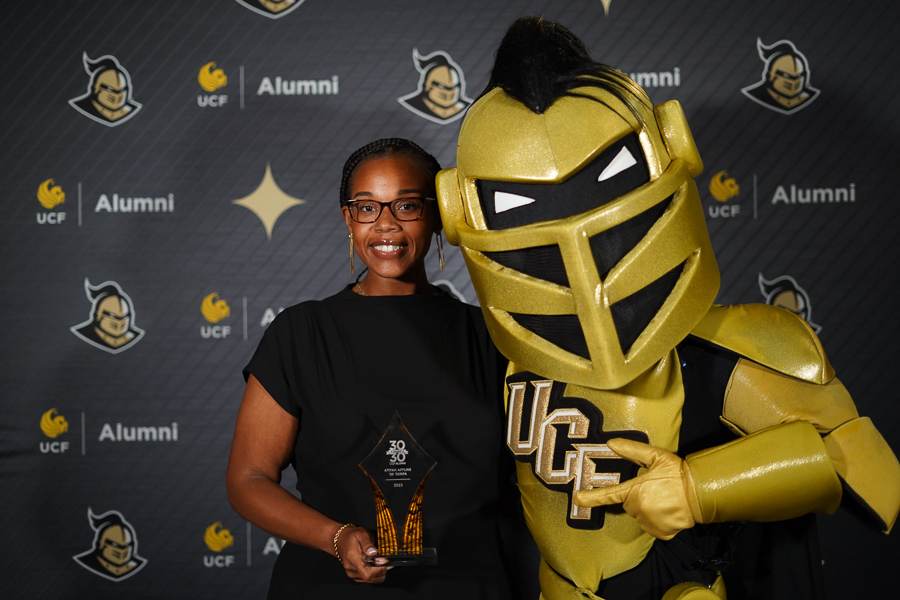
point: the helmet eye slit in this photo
(623, 160)
(616, 171)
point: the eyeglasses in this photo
(403, 209)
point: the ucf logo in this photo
(441, 94)
(110, 325)
(49, 195)
(53, 424)
(784, 86)
(108, 99)
(274, 9)
(563, 439)
(114, 553)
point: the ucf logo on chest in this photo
(562, 438)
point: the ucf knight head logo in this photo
(784, 86)
(110, 326)
(441, 94)
(114, 554)
(108, 98)
(274, 9)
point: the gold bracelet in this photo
(336, 536)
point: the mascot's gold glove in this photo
(775, 474)
(662, 499)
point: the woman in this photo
(326, 380)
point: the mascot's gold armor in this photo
(798, 433)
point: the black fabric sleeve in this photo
(271, 364)
(705, 371)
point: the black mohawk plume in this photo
(539, 60)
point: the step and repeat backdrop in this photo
(169, 179)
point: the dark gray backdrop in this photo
(842, 254)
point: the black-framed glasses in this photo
(403, 209)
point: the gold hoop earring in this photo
(350, 235)
(440, 245)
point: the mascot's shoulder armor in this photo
(770, 336)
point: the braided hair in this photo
(383, 148)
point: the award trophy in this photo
(397, 468)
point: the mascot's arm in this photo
(787, 378)
(774, 474)
(783, 467)
(758, 397)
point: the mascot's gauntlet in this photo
(778, 473)
(798, 430)
(781, 469)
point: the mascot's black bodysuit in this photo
(666, 447)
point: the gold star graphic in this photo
(606, 4)
(268, 201)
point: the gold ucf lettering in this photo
(540, 437)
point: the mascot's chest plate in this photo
(560, 430)
(558, 434)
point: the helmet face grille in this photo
(607, 247)
(543, 262)
(610, 246)
(561, 330)
(632, 314)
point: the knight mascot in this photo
(666, 447)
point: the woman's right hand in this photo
(354, 545)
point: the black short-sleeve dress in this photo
(343, 366)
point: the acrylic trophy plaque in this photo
(398, 468)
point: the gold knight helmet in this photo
(575, 209)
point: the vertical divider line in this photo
(754, 196)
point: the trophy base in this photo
(426, 558)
